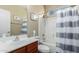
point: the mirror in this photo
(18, 21)
(19, 25)
(12, 25)
(4, 21)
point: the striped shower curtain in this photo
(67, 32)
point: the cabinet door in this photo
(33, 47)
(35, 50)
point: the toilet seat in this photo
(43, 48)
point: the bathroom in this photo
(33, 28)
(23, 29)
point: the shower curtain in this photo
(67, 32)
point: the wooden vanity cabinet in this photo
(30, 48)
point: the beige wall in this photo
(37, 9)
(15, 11)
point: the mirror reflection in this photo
(16, 20)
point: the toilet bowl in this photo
(43, 48)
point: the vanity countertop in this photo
(10, 45)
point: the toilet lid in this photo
(43, 47)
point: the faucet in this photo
(16, 38)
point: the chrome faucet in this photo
(16, 38)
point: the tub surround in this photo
(9, 44)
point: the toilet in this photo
(43, 48)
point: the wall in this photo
(15, 11)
